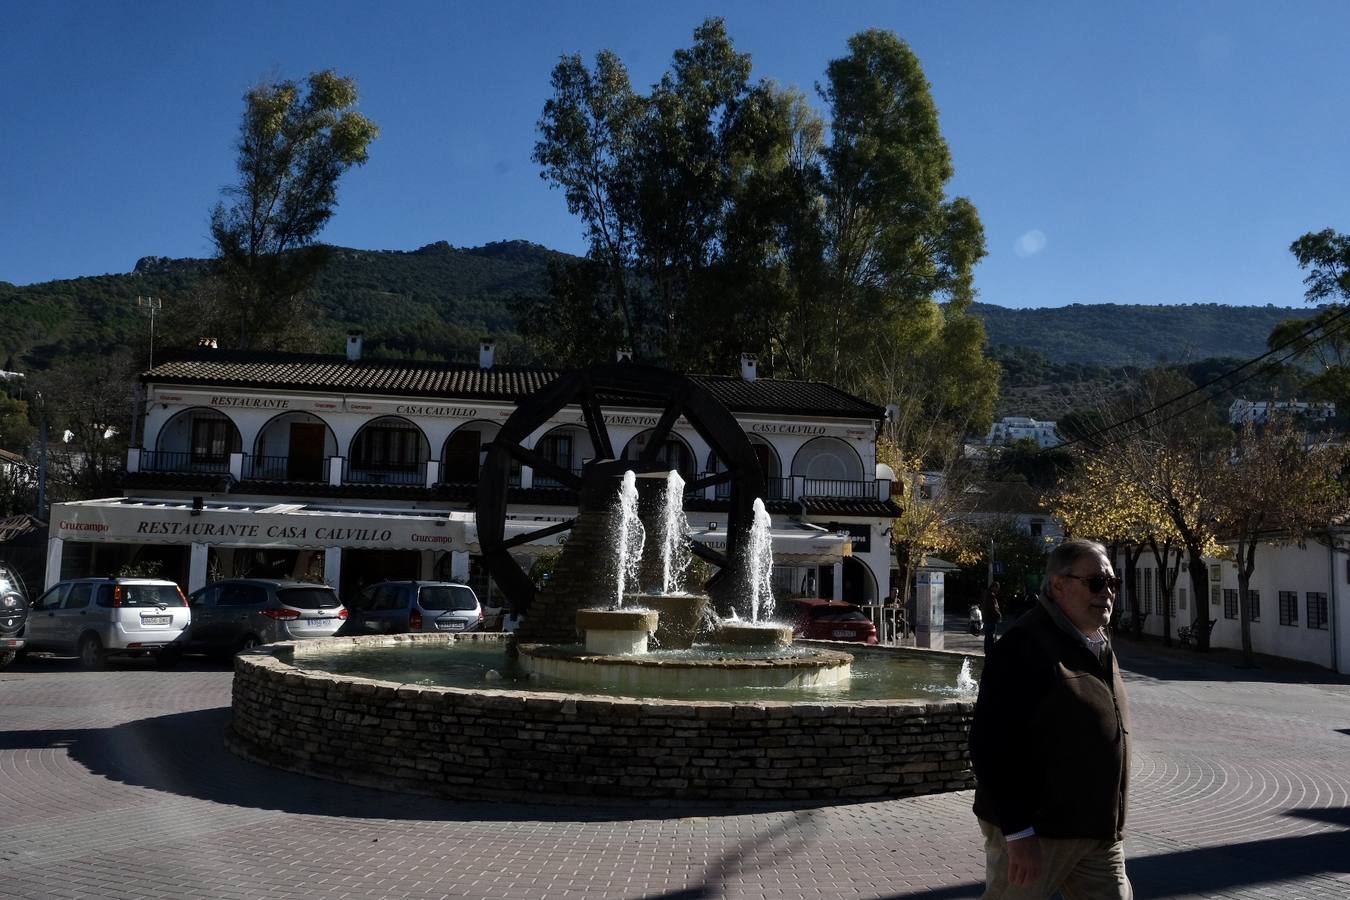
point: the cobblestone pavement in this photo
(115, 784)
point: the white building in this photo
(1259, 411)
(354, 470)
(1010, 429)
(1299, 601)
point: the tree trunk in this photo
(1200, 588)
(1246, 563)
(1132, 586)
(1160, 557)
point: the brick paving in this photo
(115, 785)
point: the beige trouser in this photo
(1079, 868)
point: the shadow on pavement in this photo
(184, 754)
(799, 833)
(1153, 660)
(1214, 871)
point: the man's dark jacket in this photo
(1050, 740)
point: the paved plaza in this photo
(115, 784)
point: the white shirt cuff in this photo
(1024, 833)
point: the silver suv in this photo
(241, 613)
(97, 617)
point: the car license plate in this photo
(156, 620)
(844, 633)
(450, 626)
(318, 621)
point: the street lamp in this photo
(150, 306)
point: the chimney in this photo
(354, 345)
(749, 367)
(623, 354)
(487, 351)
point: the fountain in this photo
(639, 709)
(614, 646)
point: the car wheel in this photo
(92, 654)
(8, 657)
(249, 642)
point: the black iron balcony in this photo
(183, 461)
(309, 469)
(385, 473)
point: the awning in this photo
(794, 544)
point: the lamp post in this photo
(150, 306)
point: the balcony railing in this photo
(543, 481)
(182, 461)
(286, 468)
(460, 476)
(373, 473)
(839, 489)
(774, 489)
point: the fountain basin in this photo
(753, 634)
(807, 669)
(616, 631)
(679, 617)
(568, 747)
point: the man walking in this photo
(992, 612)
(1050, 741)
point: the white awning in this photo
(794, 544)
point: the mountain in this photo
(1111, 334)
(437, 301)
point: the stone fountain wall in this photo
(512, 745)
(582, 578)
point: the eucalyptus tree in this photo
(295, 143)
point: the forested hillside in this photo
(437, 301)
(1110, 334)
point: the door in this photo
(305, 462)
(461, 457)
(42, 631)
(203, 605)
(73, 616)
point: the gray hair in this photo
(1062, 559)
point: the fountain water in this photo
(674, 536)
(761, 564)
(629, 537)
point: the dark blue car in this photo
(400, 607)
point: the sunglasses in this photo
(1096, 583)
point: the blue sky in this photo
(1138, 152)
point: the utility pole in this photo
(150, 306)
(42, 455)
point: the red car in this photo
(828, 620)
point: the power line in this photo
(1220, 377)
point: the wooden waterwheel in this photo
(612, 386)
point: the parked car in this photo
(13, 615)
(241, 613)
(828, 620)
(95, 618)
(399, 607)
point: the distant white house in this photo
(1259, 411)
(1010, 429)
